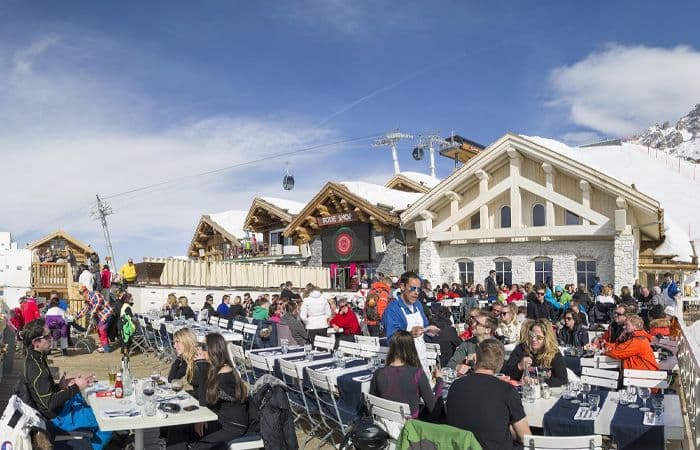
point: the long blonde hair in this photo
(189, 348)
(550, 347)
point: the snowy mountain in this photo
(682, 140)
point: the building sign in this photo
(336, 219)
(347, 243)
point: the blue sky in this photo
(101, 98)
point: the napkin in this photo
(584, 413)
(114, 413)
(657, 421)
(363, 378)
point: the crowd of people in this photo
(535, 320)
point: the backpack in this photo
(371, 312)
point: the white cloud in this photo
(66, 135)
(621, 90)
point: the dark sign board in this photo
(336, 219)
(350, 243)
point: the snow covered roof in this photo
(421, 178)
(232, 222)
(290, 206)
(379, 195)
(630, 164)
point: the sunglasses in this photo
(619, 314)
(540, 293)
(46, 336)
(568, 318)
(536, 337)
(413, 288)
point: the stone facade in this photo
(438, 262)
(392, 261)
(625, 260)
(316, 256)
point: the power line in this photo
(245, 163)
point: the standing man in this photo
(61, 402)
(96, 305)
(128, 272)
(106, 281)
(491, 287)
(405, 313)
(670, 290)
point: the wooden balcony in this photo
(51, 276)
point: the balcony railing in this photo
(689, 364)
(48, 276)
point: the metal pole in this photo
(102, 210)
(395, 157)
(432, 159)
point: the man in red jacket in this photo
(345, 319)
(30, 310)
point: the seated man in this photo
(634, 347)
(484, 327)
(616, 328)
(61, 403)
(488, 407)
(347, 320)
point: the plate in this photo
(169, 407)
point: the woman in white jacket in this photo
(315, 313)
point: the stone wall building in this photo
(531, 210)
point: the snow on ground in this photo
(677, 195)
(376, 195)
(422, 178)
(290, 206)
(232, 221)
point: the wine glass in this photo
(176, 385)
(585, 389)
(632, 397)
(155, 375)
(575, 388)
(644, 394)
(594, 400)
(148, 388)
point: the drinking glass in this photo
(623, 399)
(138, 394)
(371, 366)
(649, 417)
(593, 400)
(284, 343)
(644, 394)
(112, 374)
(632, 397)
(308, 348)
(658, 404)
(148, 388)
(176, 385)
(575, 388)
(150, 408)
(585, 389)
(155, 375)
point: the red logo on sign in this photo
(344, 243)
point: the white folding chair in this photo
(600, 377)
(391, 415)
(350, 348)
(324, 343)
(300, 397)
(367, 340)
(260, 363)
(239, 359)
(645, 378)
(332, 418)
(590, 442)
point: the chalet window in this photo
(466, 271)
(543, 270)
(572, 219)
(538, 216)
(476, 221)
(585, 272)
(504, 271)
(505, 217)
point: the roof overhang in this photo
(200, 235)
(403, 183)
(251, 222)
(75, 243)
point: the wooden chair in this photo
(392, 415)
(324, 343)
(599, 377)
(645, 378)
(590, 442)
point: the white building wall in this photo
(15, 270)
(564, 255)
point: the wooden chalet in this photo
(412, 182)
(218, 237)
(268, 217)
(56, 275)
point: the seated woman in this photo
(184, 310)
(572, 334)
(508, 326)
(221, 390)
(539, 350)
(169, 309)
(404, 380)
(209, 308)
(633, 348)
(185, 369)
(446, 293)
(236, 311)
(346, 319)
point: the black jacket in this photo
(537, 310)
(577, 337)
(274, 414)
(448, 338)
(46, 393)
(490, 285)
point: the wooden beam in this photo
(471, 207)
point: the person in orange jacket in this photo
(633, 349)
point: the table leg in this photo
(138, 439)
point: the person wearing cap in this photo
(96, 305)
(128, 272)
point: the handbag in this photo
(365, 434)
(16, 424)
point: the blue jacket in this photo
(672, 288)
(394, 318)
(222, 309)
(596, 289)
(550, 298)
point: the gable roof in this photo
(418, 182)
(75, 243)
(283, 209)
(227, 223)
